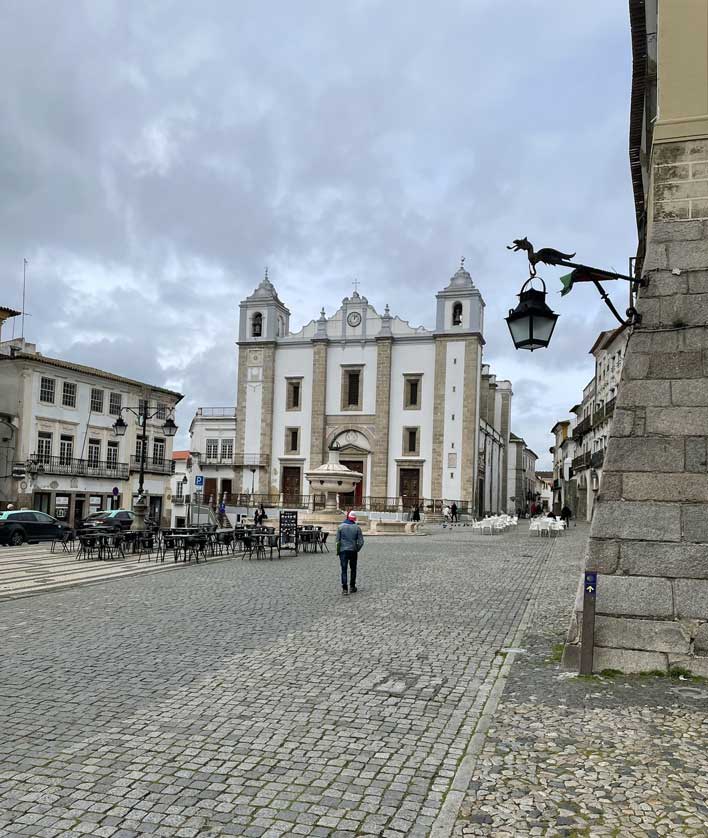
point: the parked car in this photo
(20, 525)
(109, 519)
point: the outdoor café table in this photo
(176, 540)
(110, 545)
(309, 538)
(265, 541)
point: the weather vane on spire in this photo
(462, 263)
(266, 273)
(356, 285)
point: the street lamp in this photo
(120, 426)
(532, 322)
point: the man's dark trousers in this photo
(348, 557)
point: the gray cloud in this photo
(154, 157)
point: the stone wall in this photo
(649, 535)
(379, 468)
(319, 394)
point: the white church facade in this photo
(410, 408)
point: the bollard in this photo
(588, 634)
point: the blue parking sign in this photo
(199, 480)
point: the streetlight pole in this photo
(120, 426)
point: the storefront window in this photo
(61, 507)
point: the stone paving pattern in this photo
(252, 698)
(33, 568)
(575, 757)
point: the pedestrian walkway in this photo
(33, 569)
(568, 757)
(253, 699)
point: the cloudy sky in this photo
(156, 155)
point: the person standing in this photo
(453, 513)
(350, 540)
(565, 515)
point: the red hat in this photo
(351, 516)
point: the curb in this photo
(444, 824)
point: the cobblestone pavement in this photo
(252, 698)
(568, 756)
(33, 568)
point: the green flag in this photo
(567, 283)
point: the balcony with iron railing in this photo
(236, 459)
(610, 407)
(597, 459)
(216, 460)
(153, 465)
(74, 467)
(216, 412)
(581, 462)
(582, 428)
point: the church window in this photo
(412, 392)
(293, 393)
(292, 440)
(351, 388)
(457, 314)
(411, 439)
(257, 325)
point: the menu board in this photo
(288, 528)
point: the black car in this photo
(109, 519)
(20, 525)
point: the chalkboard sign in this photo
(288, 529)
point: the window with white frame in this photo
(44, 446)
(66, 449)
(68, 394)
(112, 454)
(96, 400)
(47, 387)
(161, 411)
(212, 449)
(158, 451)
(94, 452)
(227, 449)
(115, 402)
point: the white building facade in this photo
(591, 426)
(402, 403)
(59, 420)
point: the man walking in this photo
(349, 542)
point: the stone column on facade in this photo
(241, 383)
(266, 434)
(470, 421)
(505, 431)
(319, 397)
(649, 534)
(379, 467)
(438, 417)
